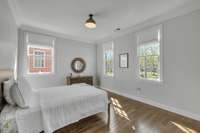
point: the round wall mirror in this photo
(78, 65)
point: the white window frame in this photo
(104, 50)
(44, 53)
(160, 39)
(41, 47)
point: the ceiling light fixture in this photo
(90, 23)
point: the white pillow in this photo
(6, 91)
(25, 90)
(17, 96)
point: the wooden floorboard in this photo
(129, 116)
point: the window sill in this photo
(150, 81)
(39, 74)
(108, 76)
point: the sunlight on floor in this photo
(183, 128)
(121, 112)
(133, 127)
(118, 108)
(116, 102)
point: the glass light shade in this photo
(90, 23)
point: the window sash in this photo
(109, 63)
(39, 60)
(149, 61)
(108, 59)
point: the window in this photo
(40, 59)
(108, 59)
(149, 59)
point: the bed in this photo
(53, 108)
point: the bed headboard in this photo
(5, 74)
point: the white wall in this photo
(65, 51)
(8, 36)
(181, 87)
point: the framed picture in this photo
(123, 60)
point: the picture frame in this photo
(124, 60)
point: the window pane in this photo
(149, 61)
(152, 67)
(39, 59)
(108, 60)
(142, 66)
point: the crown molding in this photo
(181, 11)
(54, 34)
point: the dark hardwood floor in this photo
(129, 116)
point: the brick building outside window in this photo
(40, 59)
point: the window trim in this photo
(138, 78)
(53, 60)
(104, 69)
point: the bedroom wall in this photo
(179, 92)
(65, 51)
(8, 39)
(8, 36)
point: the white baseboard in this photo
(156, 104)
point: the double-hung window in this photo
(40, 54)
(108, 58)
(149, 54)
(39, 59)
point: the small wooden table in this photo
(79, 79)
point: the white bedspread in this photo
(13, 119)
(29, 120)
(56, 107)
(64, 105)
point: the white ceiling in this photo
(68, 16)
